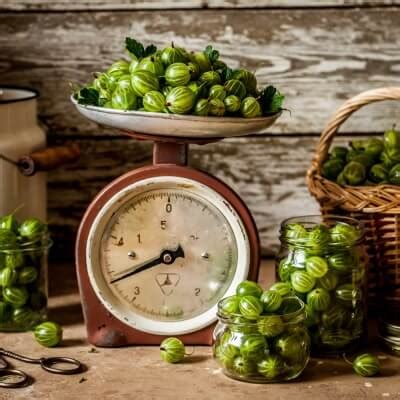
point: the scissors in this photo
(15, 378)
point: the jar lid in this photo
(13, 94)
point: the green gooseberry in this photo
(243, 325)
(180, 100)
(318, 239)
(295, 231)
(217, 92)
(364, 159)
(5, 311)
(250, 307)
(210, 78)
(329, 281)
(243, 366)
(354, 173)
(250, 108)
(249, 288)
(153, 65)
(386, 160)
(337, 338)
(8, 239)
(105, 85)
(143, 82)
(9, 222)
(248, 78)
(335, 316)
(345, 234)
(118, 68)
(154, 101)
(271, 300)
(202, 107)
(232, 103)
(291, 347)
(353, 153)
(378, 174)
(229, 306)
(340, 180)
(201, 59)
(8, 277)
(166, 89)
(283, 288)
(124, 99)
(14, 259)
(197, 89)
(32, 228)
(394, 175)
(318, 299)
(285, 269)
(172, 55)
(332, 168)
(270, 325)
(27, 275)
(302, 281)
(25, 317)
(366, 365)
(312, 316)
(124, 82)
(348, 294)
(271, 366)
(48, 334)
(391, 139)
(373, 147)
(194, 70)
(15, 295)
(172, 350)
(236, 88)
(133, 66)
(394, 154)
(339, 152)
(217, 107)
(177, 74)
(226, 353)
(342, 262)
(253, 347)
(316, 266)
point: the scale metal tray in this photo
(173, 125)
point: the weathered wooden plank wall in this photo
(318, 53)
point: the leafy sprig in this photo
(211, 53)
(137, 49)
(87, 97)
(271, 100)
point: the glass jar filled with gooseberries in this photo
(261, 338)
(323, 260)
(23, 273)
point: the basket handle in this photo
(341, 115)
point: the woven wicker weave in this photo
(378, 207)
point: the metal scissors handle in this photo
(49, 364)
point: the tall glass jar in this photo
(324, 261)
(23, 278)
(273, 348)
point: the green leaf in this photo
(134, 47)
(227, 73)
(151, 49)
(211, 53)
(271, 100)
(87, 96)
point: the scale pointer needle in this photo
(166, 257)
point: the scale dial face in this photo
(163, 251)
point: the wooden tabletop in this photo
(138, 372)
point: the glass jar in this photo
(274, 348)
(23, 283)
(324, 261)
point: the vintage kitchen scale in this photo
(161, 245)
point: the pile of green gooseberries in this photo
(23, 300)
(261, 335)
(174, 80)
(367, 162)
(324, 265)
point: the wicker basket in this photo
(378, 207)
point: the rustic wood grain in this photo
(187, 4)
(317, 58)
(269, 174)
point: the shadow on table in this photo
(69, 314)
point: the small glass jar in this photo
(23, 284)
(274, 348)
(324, 261)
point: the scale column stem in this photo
(170, 153)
